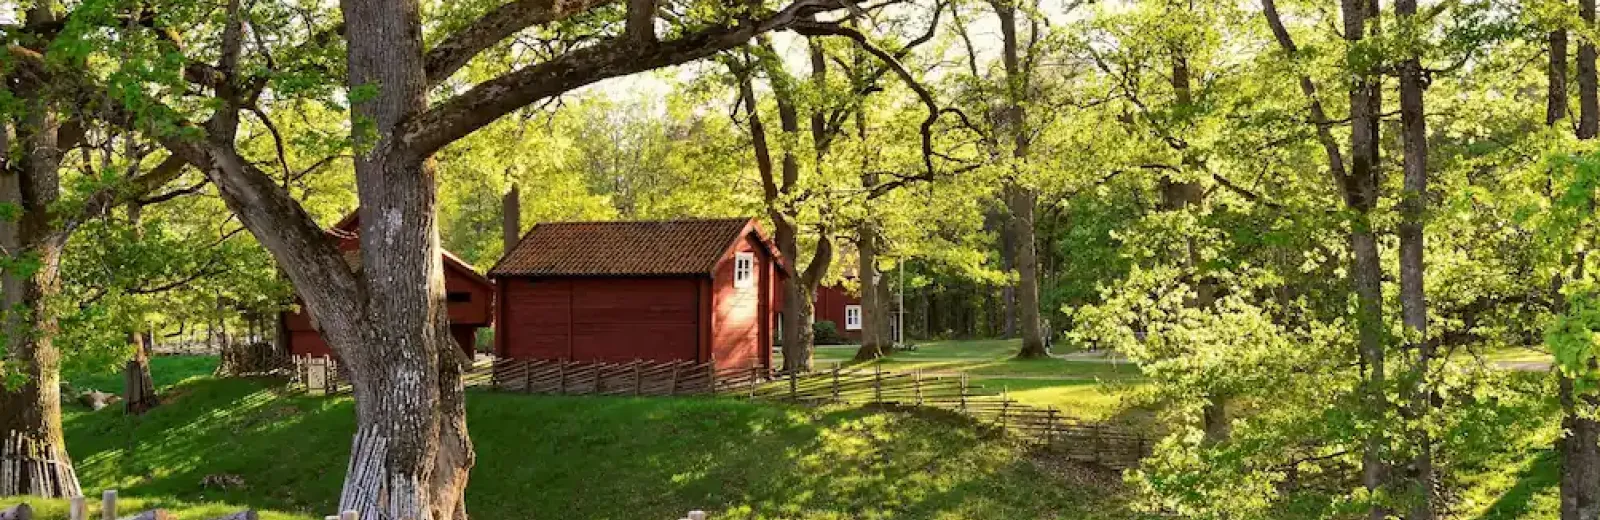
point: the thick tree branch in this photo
(456, 50)
(610, 58)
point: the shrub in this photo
(827, 333)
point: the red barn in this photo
(836, 304)
(654, 290)
(470, 297)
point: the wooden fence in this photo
(29, 465)
(79, 510)
(1085, 441)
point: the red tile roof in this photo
(627, 248)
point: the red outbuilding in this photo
(839, 305)
(693, 290)
(469, 294)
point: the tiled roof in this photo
(633, 248)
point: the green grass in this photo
(1082, 399)
(586, 457)
(165, 371)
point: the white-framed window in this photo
(744, 269)
(852, 317)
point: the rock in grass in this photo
(17, 512)
(153, 514)
(242, 515)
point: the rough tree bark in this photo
(33, 410)
(1413, 301)
(412, 454)
(875, 339)
(138, 387)
(511, 218)
(1580, 447)
(1020, 199)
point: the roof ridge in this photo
(623, 247)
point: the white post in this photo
(80, 508)
(697, 515)
(350, 515)
(108, 504)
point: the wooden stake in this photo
(79, 509)
(108, 505)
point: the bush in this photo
(827, 333)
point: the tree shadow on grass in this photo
(1538, 477)
(648, 458)
(583, 457)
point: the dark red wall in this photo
(738, 330)
(621, 319)
(600, 319)
(830, 303)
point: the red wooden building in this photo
(654, 290)
(839, 305)
(469, 294)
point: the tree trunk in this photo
(1185, 195)
(1413, 302)
(799, 309)
(32, 411)
(412, 455)
(138, 387)
(511, 218)
(874, 344)
(1019, 198)
(1360, 189)
(1580, 447)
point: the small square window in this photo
(852, 317)
(744, 269)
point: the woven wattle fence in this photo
(1108, 445)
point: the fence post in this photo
(1094, 430)
(877, 384)
(79, 509)
(561, 373)
(916, 383)
(1005, 406)
(711, 369)
(349, 515)
(673, 390)
(697, 515)
(963, 392)
(835, 381)
(108, 504)
(1050, 430)
(527, 376)
(638, 378)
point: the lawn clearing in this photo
(590, 457)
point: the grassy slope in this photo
(1085, 389)
(585, 457)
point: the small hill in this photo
(242, 442)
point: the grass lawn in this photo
(1087, 389)
(585, 457)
